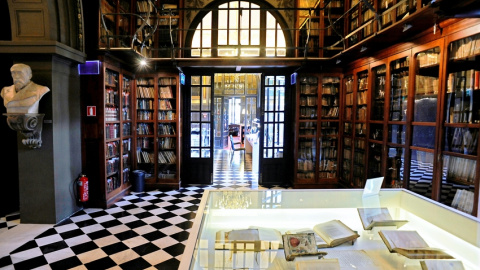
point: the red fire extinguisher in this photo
(83, 188)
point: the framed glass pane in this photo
(421, 173)
(206, 153)
(423, 136)
(195, 80)
(205, 135)
(195, 116)
(394, 175)
(206, 96)
(195, 153)
(374, 160)
(461, 140)
(195, 135)
(396, 134)
(399, 89)
(195, 99)
(376, 132)
(222, 37)
(458, 183)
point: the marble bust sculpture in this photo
(24, 95)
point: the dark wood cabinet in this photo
(108, 135)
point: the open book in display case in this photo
(275, 213)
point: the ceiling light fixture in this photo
(406, 27)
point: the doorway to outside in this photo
(236, 120)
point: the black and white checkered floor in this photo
(145, 230)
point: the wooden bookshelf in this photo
(317, 130)
(158, 134)
(108, 135)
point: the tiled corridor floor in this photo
(145, 230)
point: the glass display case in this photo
(288, 210)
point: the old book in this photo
(300, 244)
(376, 217)
(335, 232)
(442, 265)
(319, 241)
(250, 239)
(411, 245)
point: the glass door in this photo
(198, 140)
(272, 152)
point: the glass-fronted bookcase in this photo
(107, 133)
(317, 130)
(157, 129)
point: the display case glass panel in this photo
(266, 211)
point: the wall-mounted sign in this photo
(91, 110)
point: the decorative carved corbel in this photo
(30, 125)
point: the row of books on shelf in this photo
(462, 107)
(330, 101)
(368, 30)
(463, 80)
(126, 129)
(362, 98)
(426, 85)
(308, 101)
(126, 112)
(331, 112)
(465, 47)
(461, 170)
(361, 130)
(112, 165)
(166, 157)
(308, 89)
(127, 145)
(145, 104)
(145, 92)
(144, 129)
(349, 85)
(166, 115)
(143, 142)
(308, 112)
(126, 162)
(167, 81)
(145, 157)
(164, 104)
(112, 114)
(327, 165)
(362, 114)
(461, 140)
(113, 149)
(166, 143)
(401, 63)
(429, 58)
(112, 131)
(463, 200)
(305, 165)
(144, 6)
(144, 115)
(328, 152)
(349, 99)
(111, 78)
(145, 81)
(166, 129)
(113, 182)
(362, 81)
(166, 92)
(111, 96)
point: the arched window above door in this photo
(238, 29)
